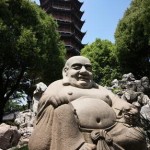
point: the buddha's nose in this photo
(83, 69)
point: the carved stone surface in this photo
(76, 113)
(9, 136)
(25, 121)
(134, 91)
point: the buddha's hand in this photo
(131, 115)
(58, 100)
(88, 146)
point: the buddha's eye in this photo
(77, 67)
(88, 67)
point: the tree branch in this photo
(17, 84)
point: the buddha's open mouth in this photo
(84, 78)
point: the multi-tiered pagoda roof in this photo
(68, 15)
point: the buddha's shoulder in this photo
(56, 83)
(104, 89)
(54, 86)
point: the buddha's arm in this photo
(51, 97)
(121, 107)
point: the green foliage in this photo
(14, 106)
(22, 148)
(133, 39)
(29, 43)
(28, 37)
(103, 59)
(17, 102)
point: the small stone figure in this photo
(115, 83)
(40, 88)
(128, 77)
(134, 93)
(146, 85)
(130, 93)
(75, 113)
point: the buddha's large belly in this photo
(94, 113)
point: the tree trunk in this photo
(5, 97)
(2, 106)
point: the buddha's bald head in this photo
(77, 59)
(78, 72)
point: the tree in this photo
(17, 104)
(29, 43)
(133, 39)
(104, 63)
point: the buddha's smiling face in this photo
(79, 72)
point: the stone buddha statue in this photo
(75, 113)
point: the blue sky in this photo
(101, 18)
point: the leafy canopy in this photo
(28, 37)
(103, 59)
(29, 44)
(133, 39)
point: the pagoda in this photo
(68, 15)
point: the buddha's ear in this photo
(65, 76)
(65, 72)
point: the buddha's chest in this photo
(92, 107)
(74, 93)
